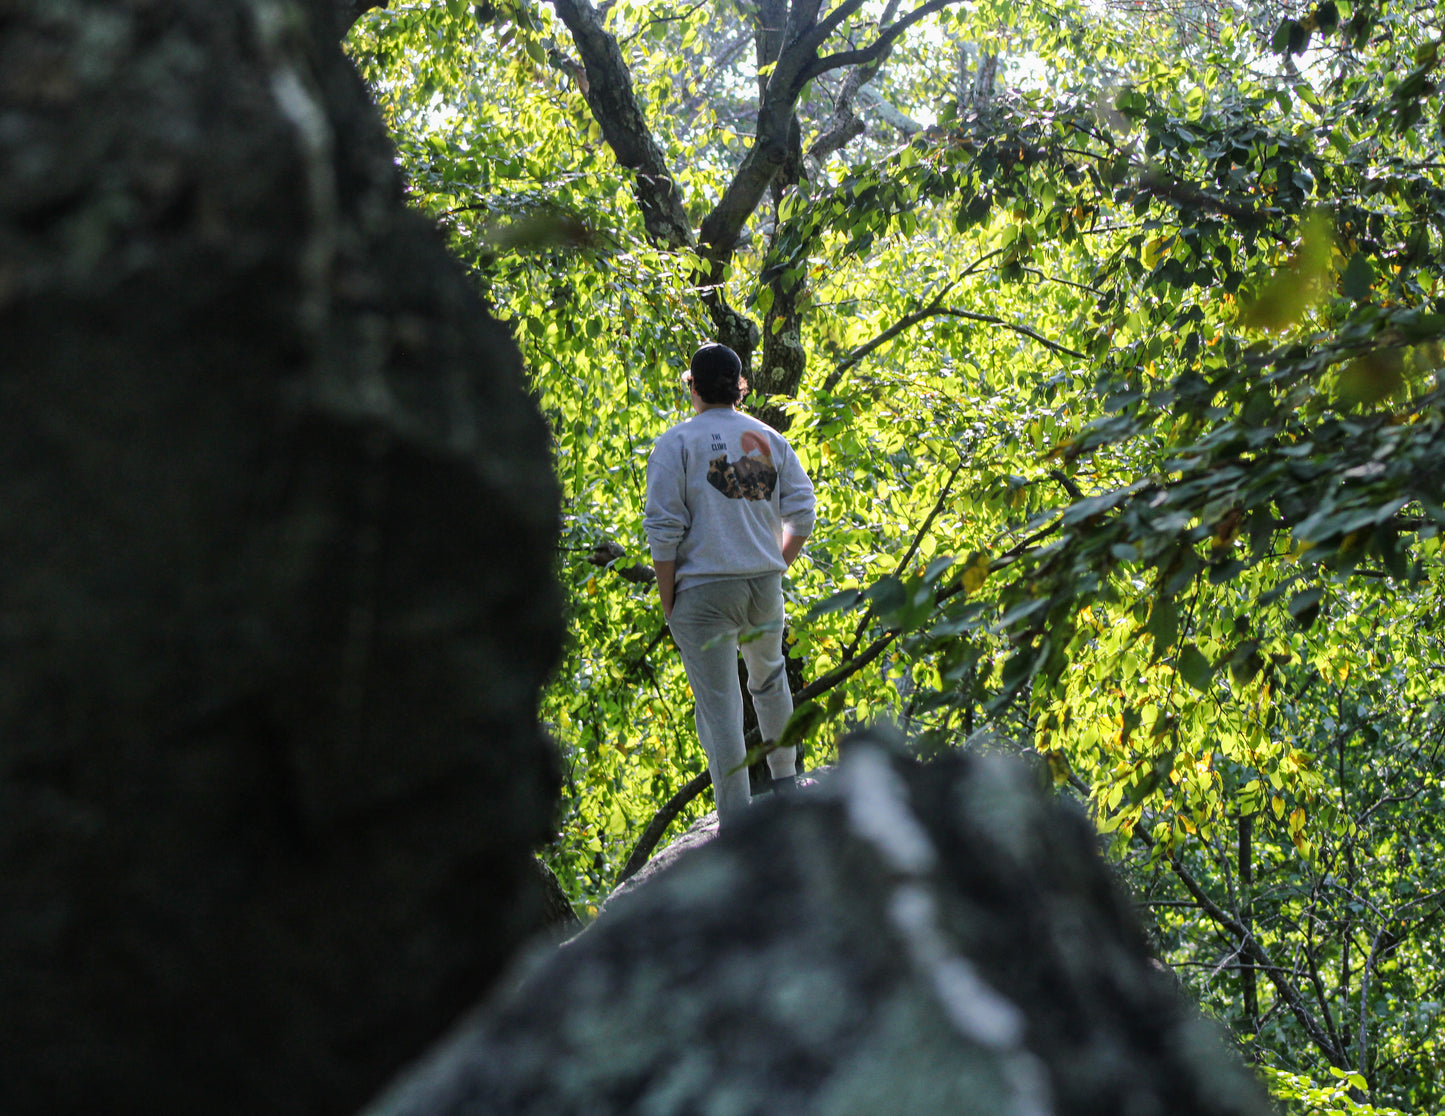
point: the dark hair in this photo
(717, 374)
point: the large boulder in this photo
(276, 521)
(897, 940)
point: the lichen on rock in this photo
(899, 938)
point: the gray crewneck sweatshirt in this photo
(721, 487)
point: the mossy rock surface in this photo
(895, 939)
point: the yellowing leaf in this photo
(1303, 280)
(975, 573)
(1372, 377)
(1159, 246)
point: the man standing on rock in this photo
(728, 509)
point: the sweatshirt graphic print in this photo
(721, 489)
(750, 477)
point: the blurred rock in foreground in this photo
(276, 524)
(898, 940)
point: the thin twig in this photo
(907, 557)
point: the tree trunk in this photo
(1247, 975)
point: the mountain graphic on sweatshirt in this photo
(751, 476)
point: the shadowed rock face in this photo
(275, 525)
(895, 940)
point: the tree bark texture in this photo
(895, 940)
(789, 35)
(276, 522)
(614, 106)
(1249, 985)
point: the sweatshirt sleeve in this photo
(666, 517)
(796, 501)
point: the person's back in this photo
(721, 488)
(728, 509)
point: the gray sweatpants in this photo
(706, 622)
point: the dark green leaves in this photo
(805, 721)
(838, 602)
(1084, 509)
(1245, 661)
(1305, 607)
(1164, 625)
(1195, 669)
(1358, 278)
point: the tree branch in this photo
(936, 309)
(1250, 947)
(1182, 194)
(1075, 493)
(675, 17)
(1248, 944)
(990, 319)
(1365, 977)
(1059, 279)
(912, 550)
(842, 130)
(796, 64)
(830, 23)
(845, 125)
(875, 51)
(659, 823)
(610, 96)
(891, 114)
(903, 323)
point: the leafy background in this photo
(1117, 338)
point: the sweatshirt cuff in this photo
(799, 524)
(663, 553)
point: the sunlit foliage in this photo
(1124, 406)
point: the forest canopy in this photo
(1111, 336)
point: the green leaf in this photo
(1019, 669)
(1151, 780)
(937, 567)
(1245, 662)
(1195, 669)
(1096, 505)
(1358, 278)
(1305, 606)
(1163, 624)
(887, 595)
(802, 724)
(752, 635)
(838, 602)
(1022, 611)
